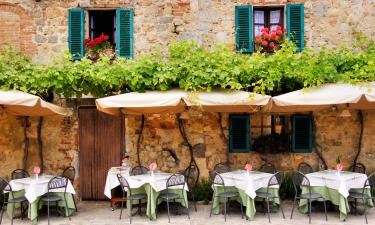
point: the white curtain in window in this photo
(258, 19)
(274, 18)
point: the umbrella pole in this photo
(139, 140)
(26, 142)
(40, 143)
(220, 120)
(361, 121)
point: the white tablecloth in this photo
(35, 188)
(249, 182)
(158, 182)
(342, 182)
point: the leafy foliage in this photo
(190, 67)
(203, 191)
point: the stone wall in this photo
(40, 28)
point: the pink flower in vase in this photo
(152, 166)
(248, 167)
(339, 167)
(36, 170)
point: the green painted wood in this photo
(76, 32)
(239, 133)
(296, 24)
(124, 28)
(302, 136)
(244, 28)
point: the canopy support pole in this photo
(26, 142)
(317, 147)
(40, 143)
(361, 121)
(220, 120)
(139, 140)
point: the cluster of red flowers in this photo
(271, 38)
(97, 41)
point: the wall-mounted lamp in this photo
(345, 113)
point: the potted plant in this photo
(270, 40)
(97, 46)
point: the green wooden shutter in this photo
(239, 133)
(244, 28)
(124, 28)
(302, 133)
(296, 24)
(76, 32)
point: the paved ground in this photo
(99, 213)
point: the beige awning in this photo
(24, 104)
(228, 101)
(175, 101)
(344, 96)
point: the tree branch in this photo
(139, 140)
(361, 121)
(26, 142)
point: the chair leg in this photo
(228, 206)
(365, 208)
(169, 219)
(355, 207)
(281, 208)
(212, 206)
(195, 203)
(187, 207)
(131, 210)
(241, 210)
(325, 209)
(309, 202)
(2, 211)
(225, 209)
(13, 206)
(48, 211)
(294, 202)
(75, 205)
(264, 207)
(66, 208)
(122, 206)
(268, 210)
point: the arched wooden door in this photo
(101, 146)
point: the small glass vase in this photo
(36, 176)
(152, 173)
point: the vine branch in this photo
(40, 143)
(361, 121)
(139, 140)
(317, 147)
(26, 142)
(222, 134)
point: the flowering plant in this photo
(97, 45)
(339, 165)
(36, 170)
(270, 40)
(248, 167)
(153, 166)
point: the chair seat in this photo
(137, 196)
(51, 198)
(310, 196)
(169, 196)
(264, 195)
(228, 194)
(17, 200)
(358, 195)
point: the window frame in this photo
(248, 132)
(267, 12)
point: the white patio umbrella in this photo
(23, 104)
(343, 96)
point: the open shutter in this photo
(76, 32)
(244, 28)
(239, 133)
(296, 24)
(302, 134)
(124, 45)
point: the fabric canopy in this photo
(23, 104)
(344, 96)
(175, 101)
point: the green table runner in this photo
(34, 207)
(335, 197)
(247, 201)
(153, 201)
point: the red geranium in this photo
(98, 44)
(269, 40)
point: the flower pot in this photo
(93, 56)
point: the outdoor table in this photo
(152, 185)
(334, 186)
(246, 184)
(33, 189)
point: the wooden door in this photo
(101, 146)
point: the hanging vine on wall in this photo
(139, 140)
(40, 143)
(361, 121)
(222, 134)
(317, 147)
(25, 142)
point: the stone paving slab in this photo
(99, 213)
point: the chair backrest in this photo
(358, 168)
(217, 180)
(305, 168)
(139, 170)
(300, 180)
(370, 182)
(275, 179)
(191, 175)
(58, 182)
(4, 186)
(221, 168)
(124, 184)
(268, 168)
(19, 173)
(176, 180)
(70, 173)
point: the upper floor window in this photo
(267, 17)
(103, 22)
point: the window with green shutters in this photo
(76, 34)
(302, 136)
(244, 28)
(124, 28)
(296, 24)
(239, 133)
